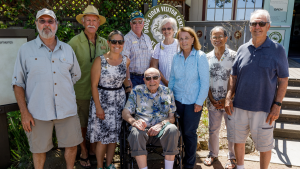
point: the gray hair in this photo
(172, 21)
(262, 12)
(219, 27)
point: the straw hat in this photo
(91, 10)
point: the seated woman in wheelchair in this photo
(154, 107)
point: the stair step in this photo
(279, 125)
(290, 112)
(294, 82)
(291, 103)
(293, 91)
(286, 134)
(290, 119)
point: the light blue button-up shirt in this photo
(47, 78)
(189, 78)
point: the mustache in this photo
(47, 27)
(90, 26)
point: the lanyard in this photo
(90, 47)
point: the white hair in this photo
(172, 21)
(260, 12)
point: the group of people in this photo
(80, 89)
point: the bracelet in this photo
(127, 87)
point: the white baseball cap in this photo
(45, 11)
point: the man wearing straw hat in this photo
(87, 46)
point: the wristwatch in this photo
(163, 122)
(277, 103)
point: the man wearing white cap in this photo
(87, 46)
(44, 74)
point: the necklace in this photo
(91, 58)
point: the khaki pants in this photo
(169, 141)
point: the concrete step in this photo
(294, 82)
(290, 103)
(279, 125)
(290, 112)
(293, 91)
(286, 134)
(290, 119)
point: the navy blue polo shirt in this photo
(257, 70)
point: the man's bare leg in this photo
(39, 160)
(239, 149)
(170, 157)
(141, 161)
(84, 151)
(70, 156)
(265, 158)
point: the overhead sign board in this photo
(153, 19)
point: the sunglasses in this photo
(148, 78)
(261, 24)
(50, 21)
(164, 29)
(138, 21)
(121, 42)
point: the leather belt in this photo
(136, 74)
(105, 88)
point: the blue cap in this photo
(136, 14)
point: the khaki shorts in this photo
(241, 122)
(68, 133)
(83, 107)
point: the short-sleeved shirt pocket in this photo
(36, 65)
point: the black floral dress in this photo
(112, 101)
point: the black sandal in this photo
(86, 162)
(211, 159)
(231, 162)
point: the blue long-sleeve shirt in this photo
(189, 78)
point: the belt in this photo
(136, 74)
(105, 88)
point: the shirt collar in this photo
(134, 35)
(224, 54)
(147, 91)
(40, 43)
(83, 38)
(191, 54)
(266, 44)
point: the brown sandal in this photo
(211, 159)
(230, 162)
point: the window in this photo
(219, 10)
(246, 7)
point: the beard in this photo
(47, 34)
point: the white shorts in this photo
(241, 122)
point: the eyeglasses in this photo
(138, 21)
(261, 24)
(50, 21)
(215, 38)
(164, 29)
(121, 42)
(148, 78)
(186, 39)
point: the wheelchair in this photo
(127, 161)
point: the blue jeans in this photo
(189, 121)
(136, 80)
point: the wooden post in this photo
(4, 144)
(145, 8)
